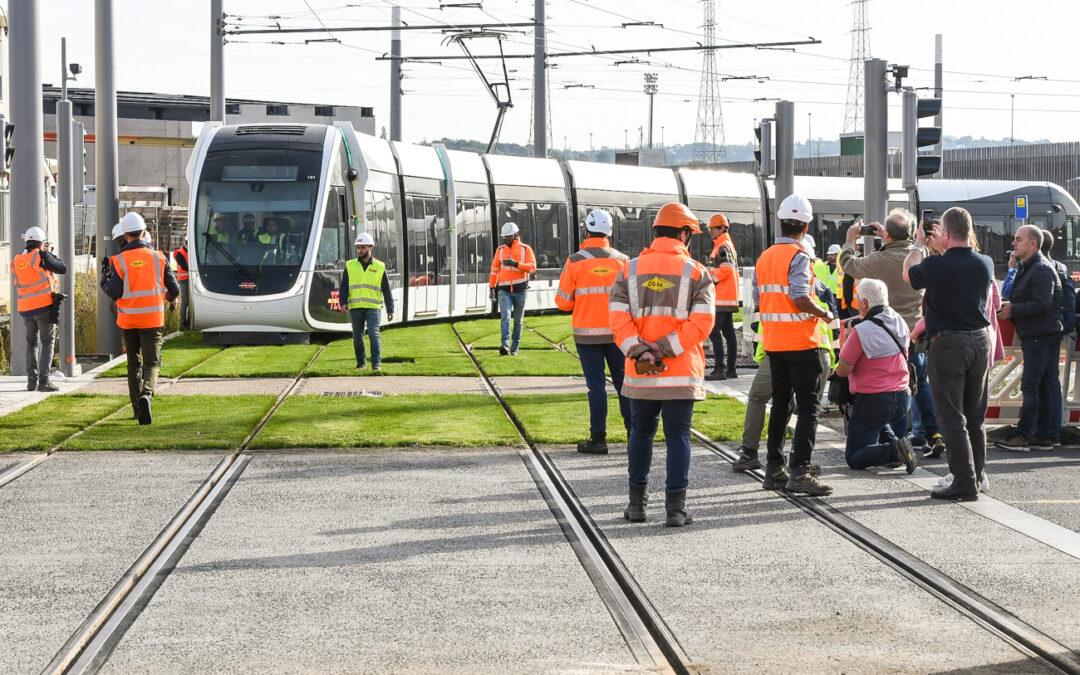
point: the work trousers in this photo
(924, 422)
(143, 347)
(877, 421)
(795, 375)
(758, 400)
(958, 365)
(645, 419)
(1041, 386)
(593, 357)
(40, 342)
(511, 304)
(367, 319)
(723, 332)
(185, 304)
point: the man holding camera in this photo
(38, 302)
(887, 265)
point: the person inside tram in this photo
(248, 234)
(220, 239)
(271, 239)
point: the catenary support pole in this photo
(939, 149)
(65, 212)
(540, 92)
(875, 142)
(217, 62)
(27, 189)
(785, 151)
(105, 151)
(395, 75)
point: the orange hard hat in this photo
(674, 214)
(719, 220)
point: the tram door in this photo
(426, 220)
(474, 252)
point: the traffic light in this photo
(915, 137)
(78, 169)
(763, 152)
(7, 147)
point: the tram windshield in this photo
(254, 211)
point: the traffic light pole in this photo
(65, 211)
(27, 190)
(105, 157)
(785, 151)
(875, 142)
(217, 62)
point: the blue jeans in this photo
(366, 319)
(877, 420)
(593, 358)
(645, 417)
(724, 332)
(1041, 415)
(923, 417)
(507, 302)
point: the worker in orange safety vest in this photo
(513, 264)
(35, 290)
(180, 256)
(725, 275)
(584, 287)
(141, 282)
(789, 317)
(661, 310)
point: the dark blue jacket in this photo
(1036, 298)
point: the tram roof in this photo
(713, 183)
(623, 178)
(377, 153)
(525, 171)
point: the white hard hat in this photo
(132, 223)
(364, 239)
(598, 220)
(833, 249)
(117, 230)
(34, 234)
(796, 207)
(509, 230)
(808, 244)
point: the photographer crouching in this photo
(38, 303)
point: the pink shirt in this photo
(873, 376)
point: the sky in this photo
(163, 46)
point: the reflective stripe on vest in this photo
(181, 274)
(33, 284)
(365, 286)
(142, 304)
(784, 327)
(503, 258)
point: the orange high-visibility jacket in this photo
(181, 272)
(584, 286)
(783, 327)
(664, 298)
(34, 285)
(508, 275)
(143, 303)
(726, 278)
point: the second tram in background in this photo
(276, 207)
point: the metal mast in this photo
(860, 51)
(709, 136)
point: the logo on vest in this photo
(137, 263)
(21, 266)
(602, 270)
(657, 284)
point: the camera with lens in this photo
(722, 256)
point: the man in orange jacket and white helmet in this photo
(661, 310)
(784, 276)
(726, 276)
(584, 287)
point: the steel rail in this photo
(92, 643)
(646, 634)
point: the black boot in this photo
(715, 375)
(776, 477)
(47, 386)
(639, 499)
(732, 374)
(31, 384)
(675, 503)
(596, 445)
(747, 461)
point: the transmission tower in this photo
(860, 51)
(709, 136)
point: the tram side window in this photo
(475, 248)
(994, 239)
(381, 217)
(544, 227)
(333, 247)
(427, 255)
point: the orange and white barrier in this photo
(1005, 400)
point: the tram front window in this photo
(254, 211)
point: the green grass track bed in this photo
(265, 361)
(719, 417)
(418, 350)
(180, 423)
(43, 425)
(177, 355)
(389, 421)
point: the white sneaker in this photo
(945, 481)
(984, 483)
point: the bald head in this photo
(1027, 242)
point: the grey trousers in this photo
(40, 341)
(143, 347)
(758, 400)
(958, 367)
